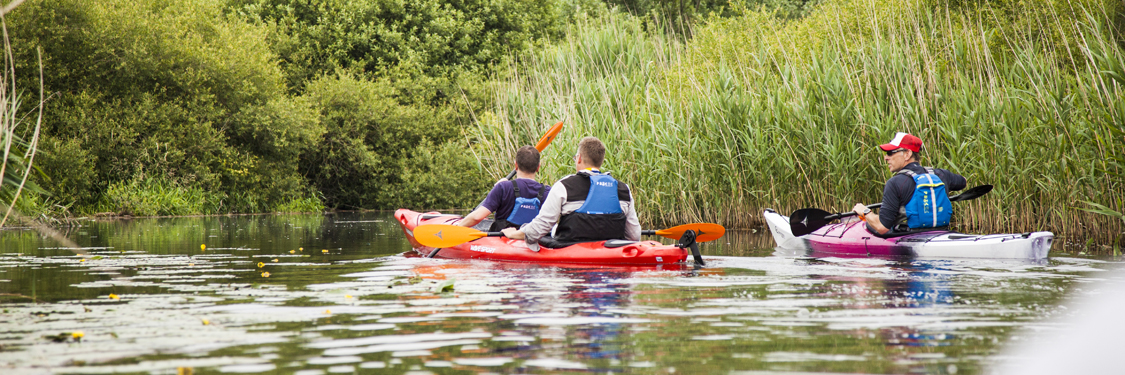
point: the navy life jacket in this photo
(526, 208)
(930, 206)
(600, 217)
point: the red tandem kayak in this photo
(502, 248)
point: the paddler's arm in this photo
(632, 224)
(871, 218)
(490, 204)
(474, 217)
(548, 216)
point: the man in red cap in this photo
(915, 197)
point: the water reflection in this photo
(344, 295)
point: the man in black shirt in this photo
(901, 156)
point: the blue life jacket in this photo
(930, 206)
(526, 208)
(601, 216)
(602, 198)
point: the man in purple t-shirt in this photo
(505, 195)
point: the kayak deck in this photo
(853, 239)
(505, 249)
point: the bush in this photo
(437, 177)
(176, 92)
(369, 139)
(380, 38)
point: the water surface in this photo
(343, 293)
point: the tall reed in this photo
(756, 112)
(17, 152)
(19, 138)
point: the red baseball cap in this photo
(903, 140)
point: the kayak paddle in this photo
(808, 220)
(543, 142)
(447, 235)
(461, 236)
(703, 231)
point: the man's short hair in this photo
(592, 151)
(916, 156)
(527, 159)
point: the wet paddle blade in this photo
(549, 136)
(973, 193)
(543, 143)
(444, 235)
(807, 220)
(703, 231)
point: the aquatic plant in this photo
(756, 111)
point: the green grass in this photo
(155, 197)
(757, 112)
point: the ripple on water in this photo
(212, 311)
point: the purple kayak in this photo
(853, 239)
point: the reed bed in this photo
(756, 112)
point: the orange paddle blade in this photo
(549, 136)
(445, 235)
(703, 231)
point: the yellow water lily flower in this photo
(260, 264)
(206, 322)
(77, 335)
(292, 251)
(301, 248)
(82, 260)
(347, 296)
(202, 247)
(324, 251)
(327, 311)
(113, 296)
(265, 274)
(275, 260)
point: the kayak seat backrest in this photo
(484, 225)
(618, 243)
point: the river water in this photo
(343, 293)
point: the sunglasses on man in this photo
(895, 151)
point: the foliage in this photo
(680, 16)
(370, 140)
(388, 38)
(19, 131)
(171, 91)
(388, 76)
(757, 111)
(440, 177)
(312, 203)
(152, 197)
